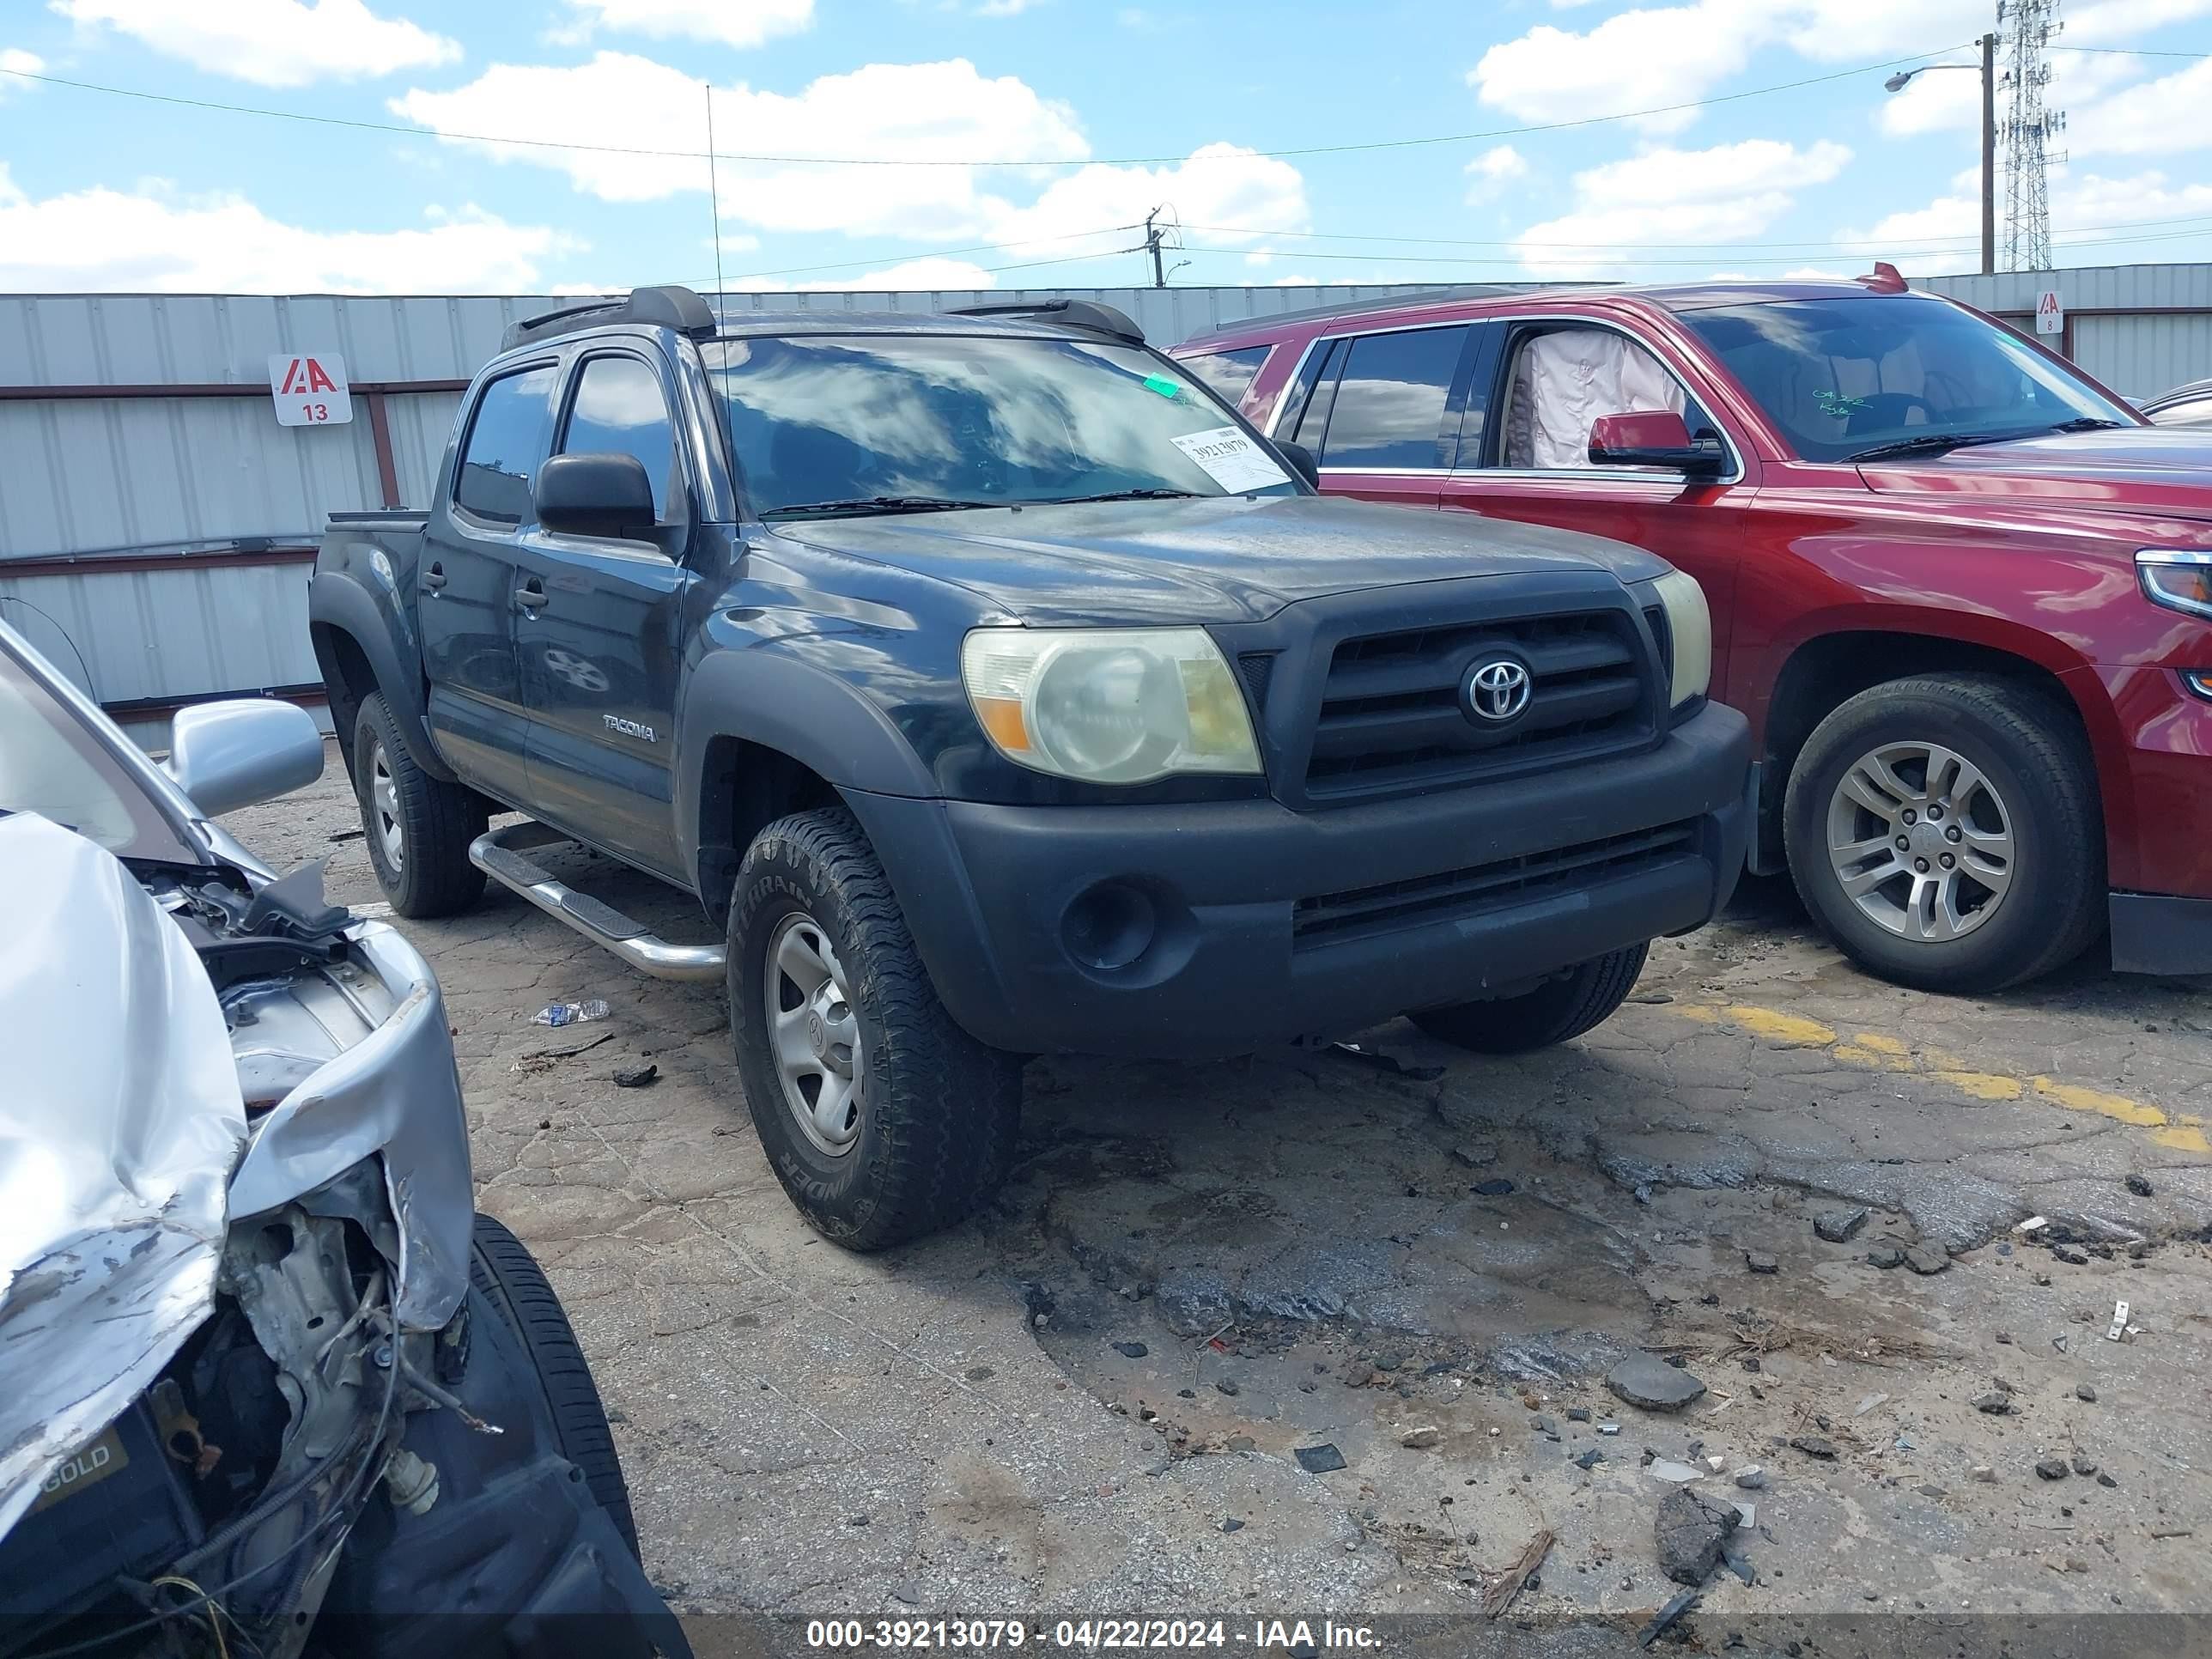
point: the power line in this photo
(180, 101)
(1721, 255)
(1874, 244)
(947, 252)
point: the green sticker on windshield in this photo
(1162, 385)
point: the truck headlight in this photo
(1118, 705)
(1691, 625)
(2179, 577)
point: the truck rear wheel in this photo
(884, 1120)
(1944, 829)
(418, 827)
(1557, 1010)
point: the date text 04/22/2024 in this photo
(1293, 1637)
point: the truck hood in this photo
(2164, 471)
(1216, 559)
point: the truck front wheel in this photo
(1579, 1000)
(1945, 830)
(884, 1120)
(418, 827)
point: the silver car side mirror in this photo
(233, 754)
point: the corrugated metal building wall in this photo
(156, 524)
(2140, 329)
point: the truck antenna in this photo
(714, 195)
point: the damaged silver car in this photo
(269, 1384)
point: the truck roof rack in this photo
(1087, 314)
(669, 306)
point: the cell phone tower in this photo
(2026, 28)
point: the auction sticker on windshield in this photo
(1231, 460)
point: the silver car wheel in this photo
(1921, 842)
(816, 1035)
(384, 809)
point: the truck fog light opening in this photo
(1109, 925)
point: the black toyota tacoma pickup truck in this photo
(998, 690)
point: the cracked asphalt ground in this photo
(1313, 1247)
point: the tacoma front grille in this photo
(1329, 917)
(1392, 713)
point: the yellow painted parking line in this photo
(1877, 1051)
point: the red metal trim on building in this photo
(379, 431)
(78, 564)
(77, 393)
(159, 709)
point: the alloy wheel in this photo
(1921, 842)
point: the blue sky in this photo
(1161, 104)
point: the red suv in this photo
(1963, 592)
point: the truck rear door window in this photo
(1228, 373)
(618, 410)
(507, 441)
(1390, 407)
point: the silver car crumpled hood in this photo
(121, 1119)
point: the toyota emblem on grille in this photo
(1497, 690)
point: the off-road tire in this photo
(437, 821)
(508, 1277)
(2031, 748)
(940, 1110)
(1556, 1011)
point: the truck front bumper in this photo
(1217, 928)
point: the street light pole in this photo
(1989, 68)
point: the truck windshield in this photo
(909, 422)
(1845, 377)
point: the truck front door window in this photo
(907, 421)
(1563, 379)
(618, 410)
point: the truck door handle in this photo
(530, 596)
(434, 577)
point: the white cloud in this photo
(1004, 7)
(272, 43)
(1640, 59)
(1654, 57)
(1227, 195)
(731, 22)
(2152, 118)
(18, 61)
(147, 238)
(1494, 171)
(945, 113)
(908, 275)
(2089, 213)
(2112, 21)
(1721, 195)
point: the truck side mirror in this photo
(1651, 437)
(595, 494)
(1300, 459)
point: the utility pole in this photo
(2029, 27)
(1152, 246)
(1989, 46)
(1989, 154)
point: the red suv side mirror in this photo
(1655, 437)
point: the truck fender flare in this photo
(340, 602)
(768, 696)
